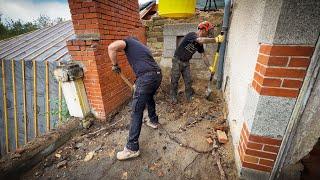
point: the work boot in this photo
(127, 154)
(189, 98)
(189, 95)
(152, 125)
(174, 100)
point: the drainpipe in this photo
(225, 27)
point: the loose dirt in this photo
(177, 150)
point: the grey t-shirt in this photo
(139, 57)
(188, 47)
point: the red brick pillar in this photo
(278, 77)
(280, 69)
(96, 24)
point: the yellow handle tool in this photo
(212, 70)
(127, 81)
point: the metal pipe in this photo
(16, 128)
(5, 106)
(225, 27)
(35, 118)
(24, 102)
(47, 97)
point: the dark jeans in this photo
(146, 87)
(178, 68)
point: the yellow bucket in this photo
(176, 8)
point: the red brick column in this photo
(257, 152)
(97, 23)
(279, 72)
(280, 69)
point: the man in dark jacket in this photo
(191, 43)
(148, 80)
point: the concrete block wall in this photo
(97, 23)
(163, 47)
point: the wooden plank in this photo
(35, 119)
(5, 112)
(16, 128)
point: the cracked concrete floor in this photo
(177, 150)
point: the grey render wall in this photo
(241, 57)
(308, 128)
(254, 22)
(291, 22)
(240, 60)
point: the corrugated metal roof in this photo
(47, 44)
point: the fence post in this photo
(5, 111)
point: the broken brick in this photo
(220, 127)
(222, 137)
(209, 140)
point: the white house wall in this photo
(241, 57)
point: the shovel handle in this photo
(126, 81)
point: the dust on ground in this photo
(177, 150)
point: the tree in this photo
(12, 28)
(44, 21)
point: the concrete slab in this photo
(272, 116)
(179, 29)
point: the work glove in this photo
(219, 38)
(212, 69)
(116, 69)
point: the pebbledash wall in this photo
(269, 48)
(97, 23)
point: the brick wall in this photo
(257, 152)
(97, 23)
(280, 69)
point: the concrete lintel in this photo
(272, 116)
(267, 116)
(179, 29)
(88, 37)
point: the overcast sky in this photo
(29, 10)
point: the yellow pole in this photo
(47, 97)
(35, 98)
(60, 99)
(80, 95)
(24, 103)
(5, 113)
(16, 128)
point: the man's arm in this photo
(206, 40)
(113, 48)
